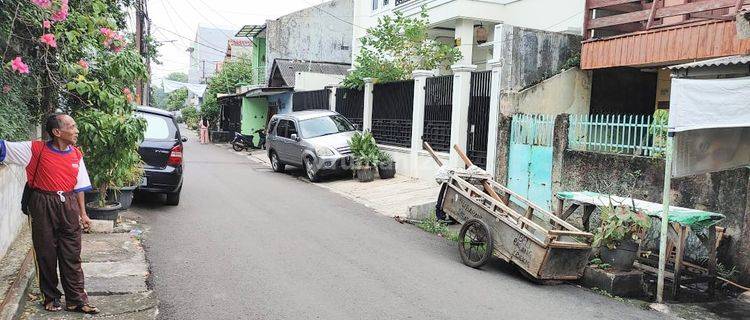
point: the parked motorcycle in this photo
(245, 142)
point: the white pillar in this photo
(496, 66)
(465, 40)
(460, 110)
(417, 120)
(367, 113)
(331, 98)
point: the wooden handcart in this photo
(544, 246)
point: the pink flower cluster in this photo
(112, 39)
(49, 39)
(18, 65)
(42, 3)
(62, 13)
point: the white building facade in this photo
(461, 21)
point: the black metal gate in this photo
(392, 106)
(437, 113)
(309, 100)
(479, 117)
(231, 114)
(350, 103)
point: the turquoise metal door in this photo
(530, 158)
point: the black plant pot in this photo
(124, 196)
(622, 257)
(365, 174)
(110, 211)
(387, 171)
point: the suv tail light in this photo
(175, 156)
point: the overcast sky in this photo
(174, 23)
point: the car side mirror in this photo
(294, 137)
(184, 139)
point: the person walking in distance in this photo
(57, 177)
(204, 131)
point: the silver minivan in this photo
(316, 140)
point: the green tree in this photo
(232, 74)
(178, 76)
(177, 99)
(397, 46)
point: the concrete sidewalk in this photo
(116, 270)
(400, 196)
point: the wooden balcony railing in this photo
(605, 18)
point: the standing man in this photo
(57, 175)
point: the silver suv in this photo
(316, 140)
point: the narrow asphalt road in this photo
(248, 243)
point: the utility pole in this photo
(142, 86)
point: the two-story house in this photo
(628, 45)
(470, 23)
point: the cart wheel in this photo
(475, 244)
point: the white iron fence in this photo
(625, 134)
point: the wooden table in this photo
(715, 234)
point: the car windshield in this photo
(322, 126)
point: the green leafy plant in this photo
(397, 46)
(618, 224)
(364, 150)
(659, 128)
(232, 73)
(434, 226)
(110, 142)
(385, 158)
(191, 116)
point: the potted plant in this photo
(110, 143)
(366, 156)
(124, 193)
(386, 166)
(620, 234)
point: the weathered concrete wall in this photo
(725, 192)
(503, 149)
(12, 179)
(314, 34)
(568, 92)
(532, 55)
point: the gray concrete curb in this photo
(15, 299)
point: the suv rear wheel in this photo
(276, 164)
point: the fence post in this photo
(559, 145)
(367, 113)
(331, 97)
(417, 119)
(493, 124)
(460, 110)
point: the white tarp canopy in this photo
(195, 88)
(712, 103)
(711, 122)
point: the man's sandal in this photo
(84, 308)
(53, 306)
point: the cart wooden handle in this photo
(432, 153)
(487, 187)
